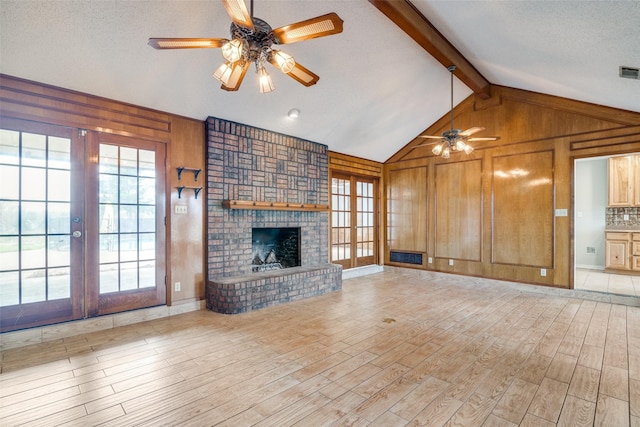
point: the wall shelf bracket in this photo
(196, 190)
(195, 171)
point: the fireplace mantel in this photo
(274, 206)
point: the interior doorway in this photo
(590, 224)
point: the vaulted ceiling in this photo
(378, 87)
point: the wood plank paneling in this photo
(523, 207)
(48, 104)
(407, 209)
(458, 218)
(354, 165)
(187, 246)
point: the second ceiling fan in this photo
(252, 42)
(455, 139)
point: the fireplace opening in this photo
(275, 248)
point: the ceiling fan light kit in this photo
(454, 139)
(252, 41)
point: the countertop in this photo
(624, 228)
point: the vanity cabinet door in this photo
(617, 251)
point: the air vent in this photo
(630, 73)
(406, 257)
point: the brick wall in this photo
(247, 163)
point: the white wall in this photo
(590, 211)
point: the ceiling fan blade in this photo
(430, 136)
(238, 72)
(471, 131)
(488, 138)
(237, 10)
(319, 26)
(426, 144)
(299, 74)
(188, 43)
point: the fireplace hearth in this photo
(274, 248)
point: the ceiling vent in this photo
(630, 72)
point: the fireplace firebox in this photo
(275, 248)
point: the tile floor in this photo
(595, 280)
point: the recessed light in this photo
(293, 113)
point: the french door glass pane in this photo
(340, 219)
(365, 215)
(127, 218)
(35, 217)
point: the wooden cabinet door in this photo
(635, 251)
(635, 184)
(617, 251)
(620, 174)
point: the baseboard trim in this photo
(361, 271)
(59, 331)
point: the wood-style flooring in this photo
(391, 349)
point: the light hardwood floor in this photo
(391, 349)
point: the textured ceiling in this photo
(378, 89)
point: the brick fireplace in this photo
(255, 165)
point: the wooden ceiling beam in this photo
(417, 26)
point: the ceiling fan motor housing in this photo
(257, 42)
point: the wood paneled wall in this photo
(187, 243)
(185, 141)
(493, 213)
(458, 210)
(406, 200)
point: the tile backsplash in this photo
(616, 216)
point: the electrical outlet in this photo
(543, 272)
(177, 286)
(181, 209)
(450, 262)
(430, 260)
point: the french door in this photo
(81, 224)
(354, 227)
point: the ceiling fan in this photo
(252, 41)
(455, 139)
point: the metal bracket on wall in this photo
(181, 169)
(196, 190)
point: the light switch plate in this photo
(180, 209)
(561, 212)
